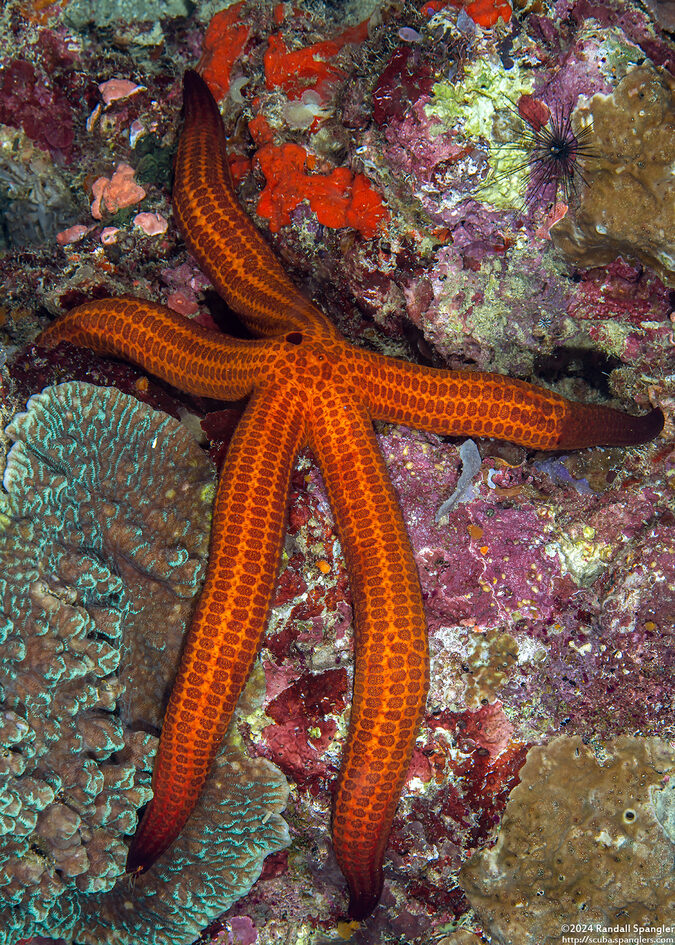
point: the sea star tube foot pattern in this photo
(307, 386)
(245, 552)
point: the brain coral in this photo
(580, 841)
(628, 207)
(103, 540)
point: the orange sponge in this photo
(483, 12)
(297, 70)
(338, 199)
(223, 44)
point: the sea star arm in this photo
(231, 615)
(218, 232)
(465, 403)
(194, 359)
(391, 674)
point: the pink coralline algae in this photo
(186, 284)
(114, 193)
(30, 101)
(114, 89)
(73, 234)
(567, 568)
(152, 224)
(304, 727)
(109, 235)
(617, 303)
(409, 146)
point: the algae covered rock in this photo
(628, 208)
(581, 841)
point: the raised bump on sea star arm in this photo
(193, 358)
(218, 233)
(391, 674)
(231, 616)
(468, 403)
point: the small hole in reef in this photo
(593, 367)
(294, 338)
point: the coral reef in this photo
(216, 860)
(570, 556)
(103, 542)
(469, 111)
(110, 12)
(628, 205)
(495, 284)
(580, 841)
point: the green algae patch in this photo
(479, 109)
(608, 49)
(480, 305)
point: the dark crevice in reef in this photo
(591, 366)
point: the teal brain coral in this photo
(103, 541)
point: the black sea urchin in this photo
(552, 149)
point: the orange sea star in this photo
(306, 385)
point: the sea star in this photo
(306, 385)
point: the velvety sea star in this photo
(306, 386)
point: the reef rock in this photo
(628, 207)
(580, 841)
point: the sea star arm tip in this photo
(468, 403)
(220, 235)
(391, 676)
(591, 425)
(164, 343)
(231, 615)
